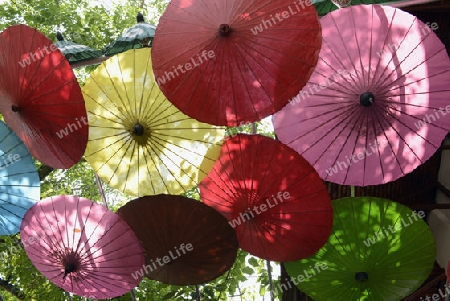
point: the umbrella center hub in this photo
(15, 108)
(361, 276)
(138, 129)
(71, 262)
(224, 30)
(366, 99)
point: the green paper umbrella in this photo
(323, 7)
(379, 250)
(75, 52)
(139, 36)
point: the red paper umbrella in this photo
(185, 241)
(82, 247)
(376, 106)
(274, 198)
(228, 62)
(40, 98)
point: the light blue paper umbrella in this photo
(19, 181)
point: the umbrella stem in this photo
(69, 296)
(270, 280)
(197, 290)
(133, 296)
(352, 191)
(100, 189)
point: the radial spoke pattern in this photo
(402, 63)
(40, 98)
(19, 181)
(386, 240)
(258, 172)
(82, 247)
(197, 240)
(241, 77)
(171, 155)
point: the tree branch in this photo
(12, 289)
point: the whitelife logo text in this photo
(191, 64)
(38, 54)
(279, 17)
(384, 233)
(182, 250)
(250, 213)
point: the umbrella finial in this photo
(361, 276)
(140, 17)
(366, 99)
(71, 262)
(138, 129)
(15, 108)
(59, 36)
(341, 3)
(224, 30)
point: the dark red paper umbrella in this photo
(40, 97)
(231, 62)
(82, 247)
(272, 196)
(185, 241)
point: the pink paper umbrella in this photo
(82, 247)
(376, 106)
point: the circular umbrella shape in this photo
(75, 52)
(138, 36)
(185, 241)
(375, 106)
(19, 181)
(378, 250)
(139, 142)
(40, 98)
(274, 198)
(82, 247)
(234, 62)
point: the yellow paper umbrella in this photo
(139, 142)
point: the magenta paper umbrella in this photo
(82, 247)
(376, 105)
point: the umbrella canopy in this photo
(19, 181)
(138, 36)
(323, 7)
(82, 247)
(185, 241)
(234, 62)
(75, 52)
(375, 107)
(139, 142)
(378, 250)
(40, 97)
(274, 198)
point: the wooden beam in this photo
(421, 291)
(443, 189)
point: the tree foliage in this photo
(96, 24)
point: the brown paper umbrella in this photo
(185, 241)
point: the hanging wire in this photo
(272, 297)
(102, 194)
(197, 290)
